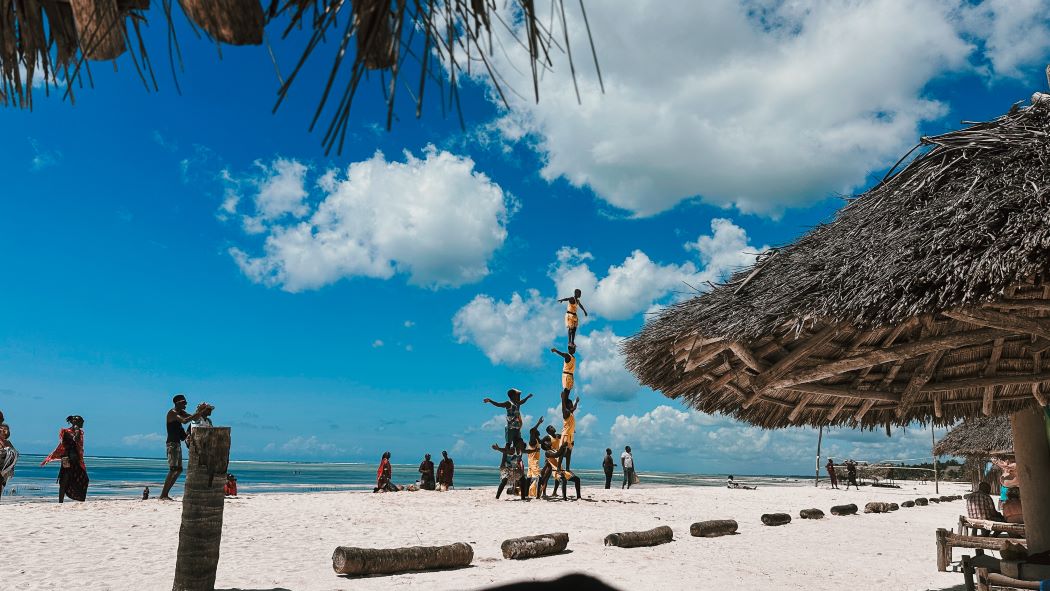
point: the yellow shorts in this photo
(571, 320)
(567, 381)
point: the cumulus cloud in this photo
(300, 445)
(142, 440)
(511, 333)
(758, 105)
(602, 372)
(377, 343)
(435, 219)
(42, 158)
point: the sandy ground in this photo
(285, 541)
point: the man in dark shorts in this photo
(607, 466)
(851, 474)
(176, 418)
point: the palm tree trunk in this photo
(202, 505)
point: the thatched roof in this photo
(922, 300)
(982, 437)
(52, 40)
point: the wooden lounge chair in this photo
(982, 573)
(946, 540)
(984, 527)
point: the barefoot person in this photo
(831, 473)
(8, 456)
(607, 466)
(535, 463)
(627, 461)
(426, 474)
(384, 475)
(568, 430)
(513, 405)
(568, 367)
(553, 467)
(572, 321)
(511, 471)
(72, 476)
(175, 419)
(445, 471)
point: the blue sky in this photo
(333, 307)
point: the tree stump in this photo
(850, 509)
(876, 507)
(921, 502)
(776, 519)
(237, 22)
(202, 504)
(713, 528)
(635, 539)
(348, 560)
(811, 514)
(933, 500)
(908, 504)
(893, 507)
(534, 546)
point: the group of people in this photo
(851, 474)
(428, 479)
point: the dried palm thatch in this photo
(926, 299)
(979, 437)
(50, 41)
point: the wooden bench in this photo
(981, 573)
(977, 527)
(946, 540)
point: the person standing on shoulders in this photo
(627, 461)
(175, 419)
(608, 465)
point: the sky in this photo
(332, 307)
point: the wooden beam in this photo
(837, 408)
(987, 399)
(760, 383)
(806, 399)
(847, 393)
(989, 371)
(894, 353)
(938, 405)
(1007, 322)
(706, 354)
(998, 380)
(919, 378)
(1037, 389)
(1035, 305)
(863, 410)
(686, 351)
(745, 355)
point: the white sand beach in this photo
(285, 541)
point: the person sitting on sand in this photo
(426, 474)
(572, 321)
(230, 488)
(72, 476)
(730, 483)
(562, 476)
(8, 456)
(444, 473)
(174, 420)
(830, 467)
(979, 504)
(513, 405)
(568, 366)
(384, 476)
(511, 471)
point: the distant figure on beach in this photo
(608, 465)
(1012, 507)
(8, 455)
(384, 476)
(511, 470)
(830, 467)
(512, 432)
(730, 483)
(444, 473)
(851, 474)
(568, 366)
(426, 474)
(572, 321)
(627, 461)
(979, 504)
(72, 476)
(230, 488)
(175, 418)
(145, 494)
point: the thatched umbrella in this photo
(450, 39)
(977, 440)
(925, 299)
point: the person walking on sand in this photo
(568, 366)
(426, 474)
(72, 476)
(174, 421)
(851, 474)
(607, 466)
(445, 471)
(831, 473)
(572, 321)
(627, 461)
(8, 456)
(384, 475)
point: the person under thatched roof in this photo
(926, 298)
(980, 437)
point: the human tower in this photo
(555, 447)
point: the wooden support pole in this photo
(820, 436)
(801, 406)
(837, 409)
(1033, 468)
(863, 410)
(989, 371)
(1037, 366)
(918, 380)
(202, 503)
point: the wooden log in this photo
(944, 551)
(933, 500)
(100, 28)
(635, 539)
(921, 502)
(850, 509)
(237, 22)
(1007, 322)
(534, 546)
(908, 504)
(200, 534)
(894, 507)
(944, 499)
(877, 507)
(811, 514)
(713, 528)
(776, 519)
(348, 560)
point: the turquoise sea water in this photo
(126, 477)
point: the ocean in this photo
(126, 477)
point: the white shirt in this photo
(626, 460)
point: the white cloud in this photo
(725, 251)
(511, 333)
(436, 220)
(42, 157)
(409, 324)
(761, 105)
(300, 445)
(602, 372)
(377, 343)
(280, 191)
(142, 440)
